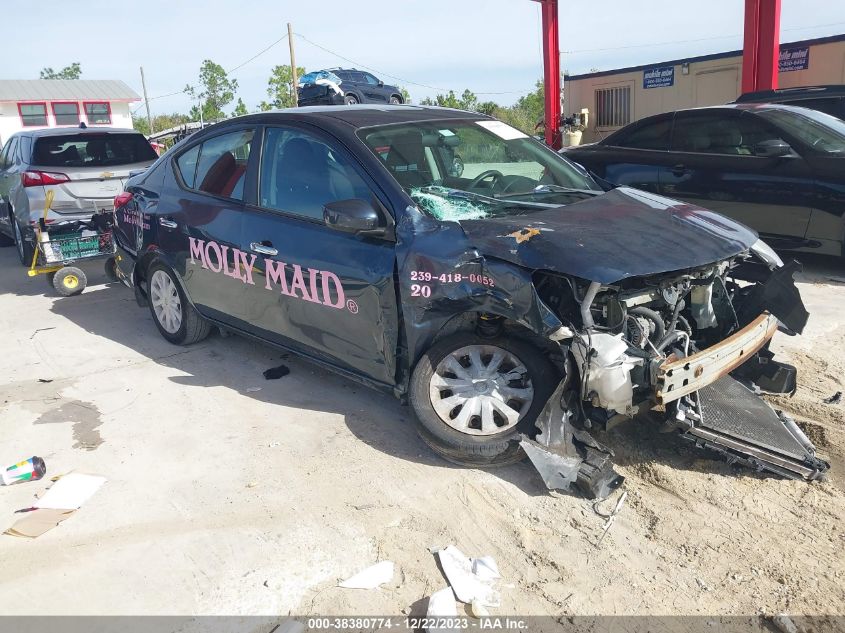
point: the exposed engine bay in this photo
(674, 344)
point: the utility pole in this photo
(294, 80)
(146, 101)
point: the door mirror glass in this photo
(772, 148)
(352, 216)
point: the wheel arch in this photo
(145, 262)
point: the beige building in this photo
(615, 98)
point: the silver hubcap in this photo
(165, 300)
(481, 390)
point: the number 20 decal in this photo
(420, 291)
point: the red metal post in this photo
(761, 45)
(551, 72)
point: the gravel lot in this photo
(225, 500)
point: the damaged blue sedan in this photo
(513, 302)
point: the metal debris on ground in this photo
(610, 518)
(276, 372)
(371, 577)
(834, 399)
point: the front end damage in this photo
(690, 347)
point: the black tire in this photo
(25, 249)
(394, 100)
(69, 281)
(350, 100)
(474, 450)
(110, 268)
(193, 327)
(50, 277)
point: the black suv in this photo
(827, 99)
(358, 87)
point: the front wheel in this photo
(474, 396)
(394, 100)
(176, 319)
(350, 100)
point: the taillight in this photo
(122, 199)
(40, 178)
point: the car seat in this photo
(406, 160)
(219, 174)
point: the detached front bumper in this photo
(683, 376)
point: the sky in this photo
(491, 47)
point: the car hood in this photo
(622, 233)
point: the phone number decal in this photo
(425, 277)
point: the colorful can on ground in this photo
(31, 469)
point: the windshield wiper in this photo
(449, 192)
(546, 189)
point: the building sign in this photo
(659, 77)
(794, 59)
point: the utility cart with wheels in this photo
(58, 246)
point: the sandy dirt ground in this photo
(226, 500)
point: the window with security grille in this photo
(613, 106)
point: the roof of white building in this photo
(66, 89)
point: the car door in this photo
(5, 163)
(374, 88)
(199, 221)
(633, 156)
(716, 165)
(327, 293)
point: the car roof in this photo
(835, 90)
(365, 115)
(70, 131)
(750, 107)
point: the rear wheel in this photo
(69, 281)
(176, 319)
(25, 249)
(350, 100)
(394, 100)
(474, 396)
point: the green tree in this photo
(280, 86)
(467, 101)
(160, 122)
(240, 108)
(215, 91)
(487, 107)
(74, 71)
(406, 96)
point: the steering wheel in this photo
(484, 175)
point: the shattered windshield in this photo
(467, 170)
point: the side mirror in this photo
(774, 148)
(352, 216)
(380, 83)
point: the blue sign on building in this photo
(794, 59)
(659, 77)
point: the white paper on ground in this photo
(467, 586)
(485, 568)
(70, 492)
(502, 130)
(442, 606)
(371, 577)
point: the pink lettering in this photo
(247, 266)
(299, 282)
(197, 252)
(235, 273)
(275, 271)
(327, 297)
(215, 247)
(312, 278)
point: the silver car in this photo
(85, 169)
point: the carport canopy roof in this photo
(66, 90)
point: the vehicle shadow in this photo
(819, 269)
(238, 363)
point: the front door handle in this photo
(263, 249)
(168, 223)
(679, 170)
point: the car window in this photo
(11, 157)
(829, 105)
(4, 153)
(221, 166)
(186, 163)
(300, 174)
(357, 77)
(822, 132)
(717, 133)
(95, 149)
(653, 135)
(370, 79)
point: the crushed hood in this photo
(622, 233)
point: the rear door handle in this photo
(168, 223)
(679, 170)
(263, 249)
